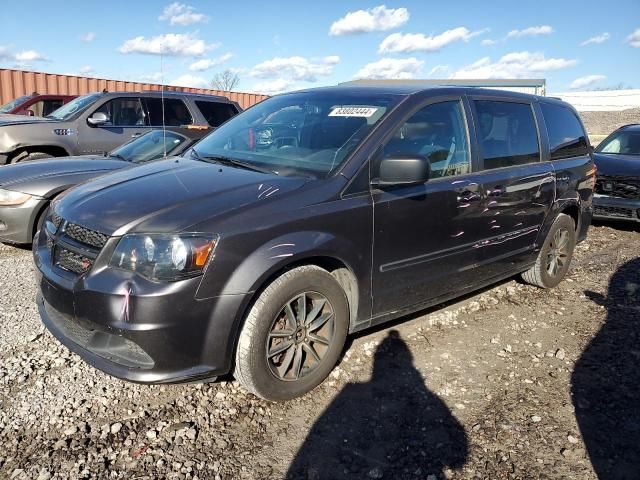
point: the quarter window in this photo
(507, 134)
(566, 135)
(176, 112)
(437, 132)
(216, 113)
(123, 112)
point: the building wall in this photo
(14, 83)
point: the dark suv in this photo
(310, 216)
(99, 122)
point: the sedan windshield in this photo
(7, 107)
(306, 133)
(150, 146)
(624, 143)
(74, 107)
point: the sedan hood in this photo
(168, 196)
(618, 165)
(26, 177)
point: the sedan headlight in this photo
(164, 257)
(11, 198)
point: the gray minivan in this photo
(99, 122)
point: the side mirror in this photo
(403, 170)
(98, 119)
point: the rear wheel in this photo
(293, 334)
(555, 255)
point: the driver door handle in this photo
(135, 135)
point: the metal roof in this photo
(515, 82)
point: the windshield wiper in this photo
(231, 161)
(118, 156)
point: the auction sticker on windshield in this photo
(353, 111)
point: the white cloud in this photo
(531, 31)
(603, 37)
(374, 19)
(586, 81)
(439, 69)
(273, 87)
(188, 80)
(181, 14)
(418, 42)
(29, 56)
(514, 65)
(634, 39)
(5, 54)
(294, 68)
(487, 42)
(86, 70)
(155, 77)
(390, 68)
(207, 63)
(174, 44)
(88, 37)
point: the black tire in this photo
(558, 246)
(40, 220)
(269, 318)
(30, 156)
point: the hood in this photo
(11, 119)
(40, 177)
(13, 177)
(168, 196)
(617, 165)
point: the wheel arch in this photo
(52, 149)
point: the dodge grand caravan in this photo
(310, 216)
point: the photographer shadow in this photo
(606, 381)
(389, 427)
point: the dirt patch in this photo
(515, 382)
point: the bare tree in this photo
(225, 81)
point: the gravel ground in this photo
(514, 382)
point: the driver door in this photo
(425, 235)
(127, 120)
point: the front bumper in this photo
(135, 329)
(616, 208)
(17, 223)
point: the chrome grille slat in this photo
(618, 187)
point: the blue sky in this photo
(284, 45)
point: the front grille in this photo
(619, 212)
(56, 220)
(618, 187)
(71, 261)
(72, 247)
(85, 235)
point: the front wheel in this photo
(293, 334)
(555, 255)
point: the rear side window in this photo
(566, 135)
(216, 113)
(176, 112)
(507, 134)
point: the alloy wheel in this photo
(558, 254)
(300, 336)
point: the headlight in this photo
(164, 257)
(11, 198)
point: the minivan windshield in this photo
(7, 107)
(74, 107)
(624, 143)
(306, 133)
